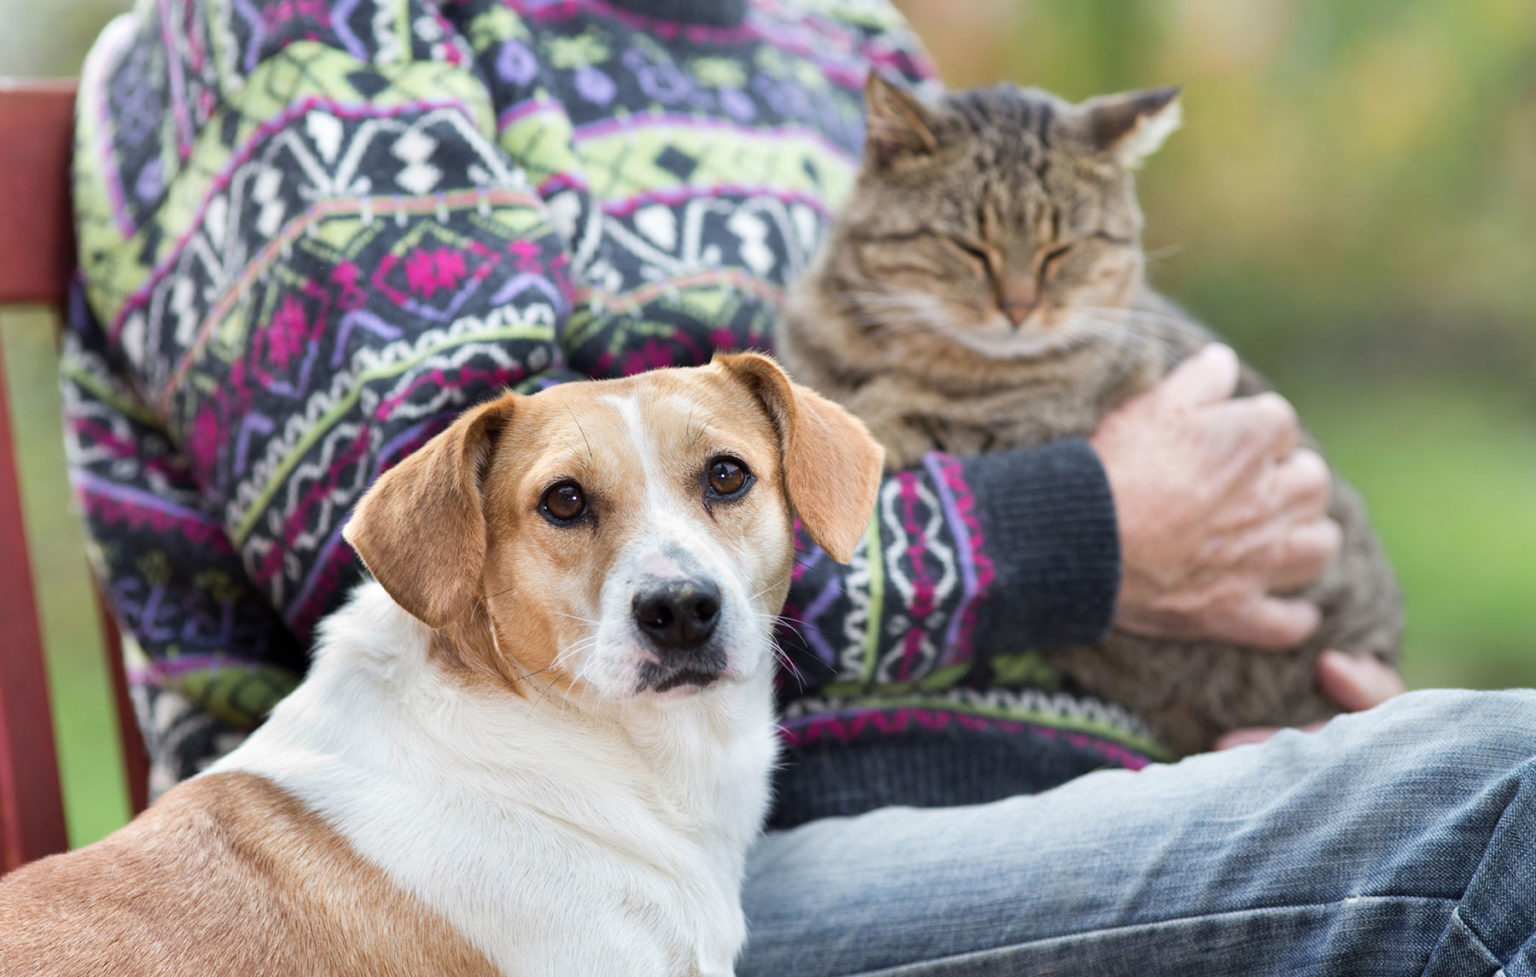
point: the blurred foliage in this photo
(49, 39)
(1352, 201)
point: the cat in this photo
(984, 288)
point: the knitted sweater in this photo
(312, 231)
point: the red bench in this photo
(36, 261)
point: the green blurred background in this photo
(1352, 201)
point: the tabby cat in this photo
(984, 288)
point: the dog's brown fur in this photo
(171, 894)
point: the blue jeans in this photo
(1398, 841)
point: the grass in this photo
(1448, 468)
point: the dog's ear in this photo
(421, 530)
(831, 464)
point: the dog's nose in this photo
(678, 614)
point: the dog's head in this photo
(623, 537)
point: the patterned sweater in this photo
(312, 231)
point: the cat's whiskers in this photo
(1133, 312)
(1128, 327)
(897, 312)
(1124, 342)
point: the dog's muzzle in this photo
(677, 618)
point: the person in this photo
(311, 232)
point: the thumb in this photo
(1208, 377)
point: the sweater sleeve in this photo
(965, 558)
(303, 254)
(206, 654)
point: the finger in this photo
(1243, 737)
(1207, 377)
(1356, 682)
(1270, 623)
(1303, 484)
(1307, 551)
(1257, 734)
(1266, 422)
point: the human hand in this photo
(1353, 683)
(1218, 510)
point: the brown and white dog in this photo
(537, 744)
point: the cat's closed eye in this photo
(984, 257)
(1052, 260)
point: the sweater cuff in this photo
(1048, 522)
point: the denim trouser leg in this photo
(1400, 841)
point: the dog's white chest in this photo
(540, 897)
(556, 847)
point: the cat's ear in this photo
(898, 124)
(1130, 127)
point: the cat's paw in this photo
(904, 445)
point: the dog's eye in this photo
(728, 477)
(563, 502)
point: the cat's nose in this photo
(1017, 312)
(1018, 299)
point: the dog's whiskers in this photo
(754, 597)
(559, 660)
(788, 663)
(786, 623)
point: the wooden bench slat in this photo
(36, 238)
(36, 263)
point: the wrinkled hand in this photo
(1353, 684)
(1218, 510)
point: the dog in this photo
(537, 742)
